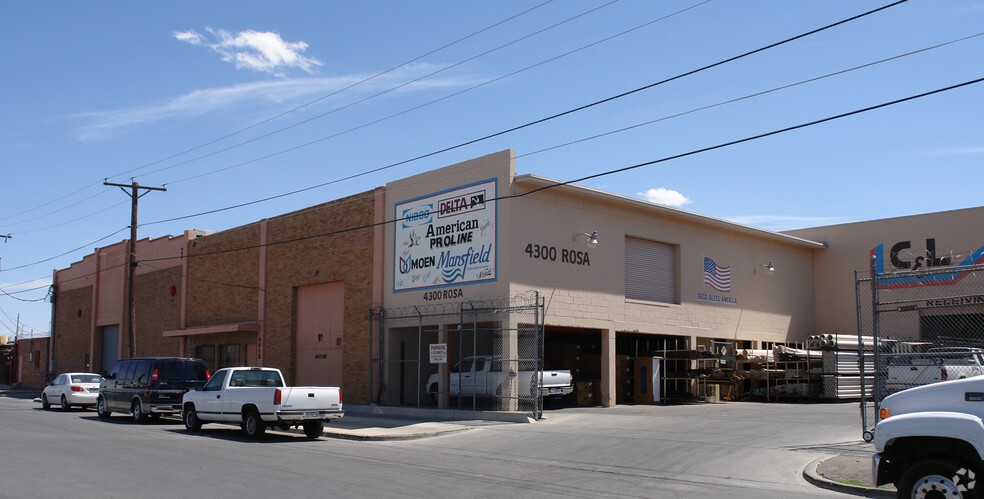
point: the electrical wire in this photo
(285, 113)
(604, 173)
(503, 132)
(65, 253)
(351, 104)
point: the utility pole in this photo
(134, 196)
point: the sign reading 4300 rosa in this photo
(446, 238)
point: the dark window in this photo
(206, 353)
(126, 371)
(462, 367)
(229, 356)
(181, 370)
(141, 372)
(215, 383)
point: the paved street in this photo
(716, 450)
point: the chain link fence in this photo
(924, 326)
(472, 355)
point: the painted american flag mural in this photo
(717, 277)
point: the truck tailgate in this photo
(310, 398)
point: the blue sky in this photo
(232, 102)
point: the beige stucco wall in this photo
(775, 307)
(956, 234)
(761, 306)
(498, 166)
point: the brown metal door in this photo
(320, 334)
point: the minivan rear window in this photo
(182, 370)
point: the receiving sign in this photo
(446, 239)
(439, 353)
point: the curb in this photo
(385, 438)
(811, 475)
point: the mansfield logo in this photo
(453, 266)
(418, 215)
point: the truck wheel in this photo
(102, 409)
(253, 425)
(314, 429)
(191, 421)
(136, 409)
(936, 478)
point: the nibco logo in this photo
(418, 215)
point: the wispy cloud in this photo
(262, 51)
(961, 151)
(666, 197)
(786, 222)
(250, 95)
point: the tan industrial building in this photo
(618, 278)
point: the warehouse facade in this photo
(615, 279)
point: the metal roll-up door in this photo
(650, 271)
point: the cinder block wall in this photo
(31, 364)
(73, 326)
(157, 310)
(303, 248)
(313, 253)
(223, 279)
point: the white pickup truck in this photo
(938, 364)
(255, 397)
(481, 376)
(930, 440)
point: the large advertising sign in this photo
(446, 239)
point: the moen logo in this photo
(418, 215)
(902, 259)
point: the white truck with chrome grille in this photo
(929, 440)
(255, 397)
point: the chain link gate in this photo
(925, 326)
(492, 350)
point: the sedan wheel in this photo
(64, 403)
(44, 402)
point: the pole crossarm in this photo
(134, 196)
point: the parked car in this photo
(256, 397)
(149, 387)
(70, 389)
(482, 376)
(938, 364)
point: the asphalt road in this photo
(711, 450)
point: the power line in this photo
(604, 173)
(402, 85)
(65, 253)
(331, 94)
(506, 131)
(285, 113)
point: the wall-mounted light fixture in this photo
(769, 267)
(592, 238)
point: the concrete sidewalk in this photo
(376, 423)
(850, 474)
